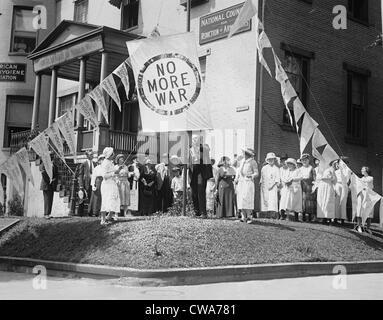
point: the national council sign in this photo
(169, 84)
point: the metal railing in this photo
(128, 142)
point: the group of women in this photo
(113, 179)
(289, 188)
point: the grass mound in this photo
(170, 242)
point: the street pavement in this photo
(21, 287)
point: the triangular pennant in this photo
(85, 107)
(308, 127)
(329, 155)
(98, 96)
(280, 73)
(299, 111)
(123, 73)
(262, 43)
(40, 145)
(110, 87)
(318, 139)
(370, 200)
(53, 132)
(65, 124)
(17, 175)
(23, 159)
(288, 92)
(248, 11)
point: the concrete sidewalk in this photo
(192, 276)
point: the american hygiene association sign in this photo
(12, 72)
(217, 25)
(169, 84)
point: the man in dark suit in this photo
(84, 182)
(48, 187)
(201, 171)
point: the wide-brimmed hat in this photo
(119, 157)
(249, 151)
(271, 155)
(108, 152)
(305, 156)
(299, 161)
(291, 161)
(148, 161)
(175, 159)
(82, 195)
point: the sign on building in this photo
(217, 25)
(13, 72)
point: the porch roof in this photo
(70, 41)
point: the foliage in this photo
(16, 207)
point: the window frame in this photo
(364, 75)
(13, 29)
(306, 57)
(351, 14)
(7, 125)
(77, 4)
(123, 5)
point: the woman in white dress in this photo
(294, 191)
(270, 179)
(246, 175)
(367, 185)
(109, 190)
(285, 176)
(343, 175)
(326, 194)
(210, 189)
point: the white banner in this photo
(169, 84)
(123, 74)
(23, 159)
(98, 96)
(110, 87)
(53, 132)
(40, 145)
(65, 124)
(85, 107)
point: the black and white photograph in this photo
(190, 155)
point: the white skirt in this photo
(110, 198)
(269, 199)
(294, 199)
(284, 198)
(325, 201)
(245, 194)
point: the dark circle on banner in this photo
(179, 110)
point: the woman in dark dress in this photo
(226, 191)
(148, 180)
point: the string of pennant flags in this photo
(307, 128)
(62, 130)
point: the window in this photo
(358, 9)
(81, 11)
(130, 11)
(23, 34)
(356, 107)
(297, 69)
(18, 116)
(66, 103)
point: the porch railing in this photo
(131, 142)
(19, 140)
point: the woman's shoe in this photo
(359, 229)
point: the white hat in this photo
(249, 151)
(291, 161)
(270, 156)
(108, 152)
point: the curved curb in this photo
(194, 276)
